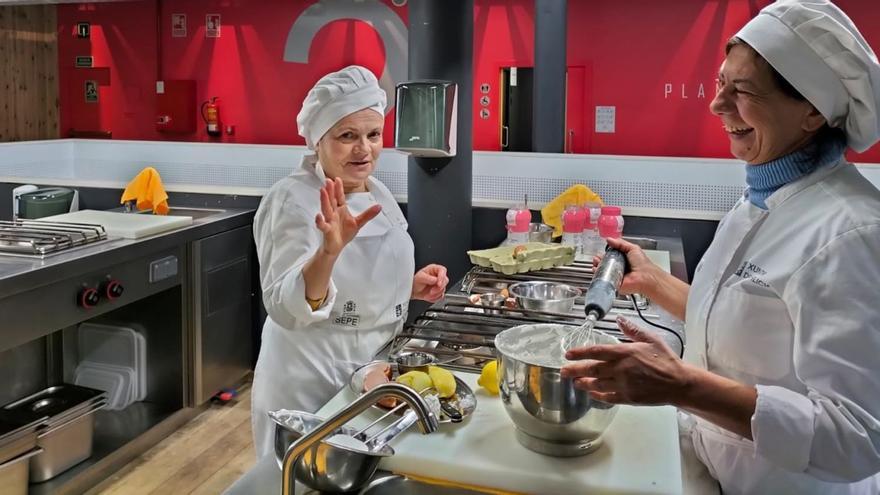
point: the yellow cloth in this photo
(146, 189)
(577, 194)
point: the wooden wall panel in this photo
(29, 66)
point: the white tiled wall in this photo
(649, 186)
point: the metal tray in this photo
(464, 399)
(57, 403)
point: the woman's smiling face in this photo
(762, 122)
(350, 148)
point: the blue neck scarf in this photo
(764, 179)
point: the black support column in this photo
(548, 109)
(439, 189)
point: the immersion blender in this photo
(600, 295)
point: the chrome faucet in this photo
(427, 423)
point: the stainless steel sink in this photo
(642, 242)
(401, 485)
(195, 213)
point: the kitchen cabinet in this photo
(221, 310)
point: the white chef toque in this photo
(335, 96)
(819, 51)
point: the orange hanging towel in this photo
(146, 189)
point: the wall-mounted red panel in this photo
(655, 62)
(176, 107)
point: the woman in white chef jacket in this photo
(781, 377)
(336, 261)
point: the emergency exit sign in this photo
(83, 30)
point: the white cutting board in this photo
(640, 454)
(127, 225)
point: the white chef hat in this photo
(336, 95)
(819, 50)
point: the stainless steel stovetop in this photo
(39, 239)
(461, 334)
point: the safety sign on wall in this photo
(83, 61)
(605, 119)
(484, 88)
(91, 91)
(83, 29)
(178, 25)
(484, 100)
(212, 26)
(484, 113)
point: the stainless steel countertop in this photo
(18, 274)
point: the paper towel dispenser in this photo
(425, 118)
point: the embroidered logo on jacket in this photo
(348, 318)
(753, 273)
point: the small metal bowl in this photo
(492, 300)
(545, 296)
(325, 466)
(414, 361)
(540, 232)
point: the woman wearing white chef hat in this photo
(336, 261)
(782, 366)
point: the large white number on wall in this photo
(380, 16)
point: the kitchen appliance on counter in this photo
(462, 334)
(65, 414)
(31, 202)
(425, 118)
(39, 239)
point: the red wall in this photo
(646, 58)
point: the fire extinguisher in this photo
(211, 116)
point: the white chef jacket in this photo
(787, 299)
(307, 356)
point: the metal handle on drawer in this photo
(93, 409)
(504, 136)
(27, 455)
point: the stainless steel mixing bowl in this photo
(551, 416)
(540, 232)
(545, 296)
(414, 361)
(324, 467)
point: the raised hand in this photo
(337, 224)
(429, 283)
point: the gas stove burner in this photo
(38, 239)
(462, 334)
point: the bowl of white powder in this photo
(551, 416)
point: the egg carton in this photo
(523, 258)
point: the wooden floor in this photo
(204, 457)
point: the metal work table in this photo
(21, 274)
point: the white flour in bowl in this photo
(540, 345)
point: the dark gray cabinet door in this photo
(221, 310)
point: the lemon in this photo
(489, 377)
(416, 380)
(444, 381)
